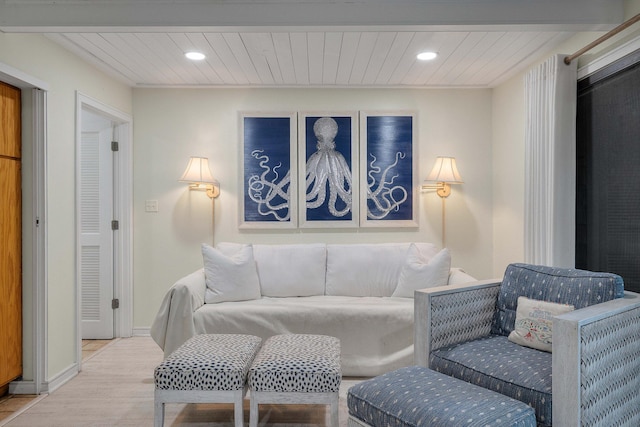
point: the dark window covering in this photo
(608, 171)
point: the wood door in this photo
(10, 236)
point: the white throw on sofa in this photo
(359, 293)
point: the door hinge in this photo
(37, 221)
(115, 225)
(115, 303)
(115, 146)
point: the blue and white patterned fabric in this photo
(578, 288)
(418, 396)
(500, 365)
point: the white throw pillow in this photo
(534, 323)
(230, 277)
(291, 270)
(419, 273)
(230, 248)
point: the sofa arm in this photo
(448, 315)
(596, 365)
(173, 324)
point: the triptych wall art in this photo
(328, 169)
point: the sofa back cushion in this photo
(370, 269)
(579, 288)
(291, 270)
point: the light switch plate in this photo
(151, 206)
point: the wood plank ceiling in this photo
(335, 58)
(318, 43)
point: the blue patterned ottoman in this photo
(208, 368)
(418, 396)
(296, 368)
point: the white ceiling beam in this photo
(134, 15)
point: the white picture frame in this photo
(389, 169)
(328, 169)
(268, 170)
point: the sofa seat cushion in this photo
(500, 365)
(376, 334)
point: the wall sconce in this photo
(199, 177)
(444, 173)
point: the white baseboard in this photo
(62, 378)
(141, 332)
(29, 386)
(22, 387)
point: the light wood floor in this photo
(115, 388)
(11, 404)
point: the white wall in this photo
(171, 125)
(65, 73)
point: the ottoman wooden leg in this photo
(334, 410)
(253, 410)
(238, 408)
(158, 413)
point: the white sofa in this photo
(359, 293)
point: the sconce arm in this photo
(212, 189)
(442, 188)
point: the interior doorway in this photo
(103, 243)
(96, 200)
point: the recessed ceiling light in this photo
(196, 56)
(427, 56)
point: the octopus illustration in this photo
(328, 166)
(327, 173)
(271, 196)
(383, 197)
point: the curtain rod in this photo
(624, 25)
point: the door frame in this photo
(34, 255)
(122, 204)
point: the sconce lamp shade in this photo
(444, 173)
(198, 171)
(445, 170)
(199, 177)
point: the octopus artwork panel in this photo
(269, 170)
(389, 169)
(328, 169)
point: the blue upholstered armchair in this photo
(592, 376)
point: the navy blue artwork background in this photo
(272, 136)
(386, 135)
(343, 145)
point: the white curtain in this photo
(550, 163)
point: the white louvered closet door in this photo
(96, 235)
